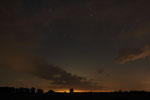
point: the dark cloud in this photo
(63, 79)
(133, 54)
(18, 55)
(28, 63)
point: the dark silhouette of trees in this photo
(71, 90)
(20, 91)
(51, 92)
(7, 90)
(33, 90)
(11, 93)
(39, 91)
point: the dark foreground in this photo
(10, 93)
(78, 96)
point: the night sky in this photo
(89, 45)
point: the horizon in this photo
(79, 91)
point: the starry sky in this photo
(89, 45)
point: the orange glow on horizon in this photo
(76, 90)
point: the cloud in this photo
(60, 78)
(63, 79)
(18, 56)
(133, 54)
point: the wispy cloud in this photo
(133, 54)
